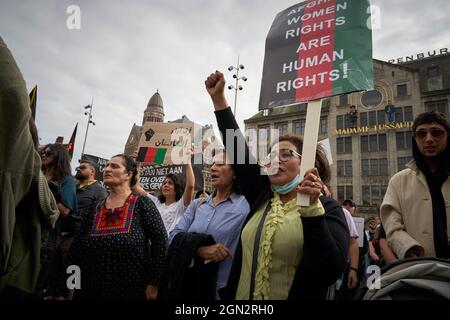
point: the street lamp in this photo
(236, 87)
(89, 121)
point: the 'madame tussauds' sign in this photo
(316, 49)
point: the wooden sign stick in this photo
(309, 144)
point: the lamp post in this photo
(236, 87)
(89, 121)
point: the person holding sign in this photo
(285, 251)
(173, 201)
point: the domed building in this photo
(153, 113)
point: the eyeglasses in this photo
(435, 133)
(282, 154)
(46, 153)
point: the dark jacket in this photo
(326, 237)
(180, 280)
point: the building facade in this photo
(369, 132)
(155, 113)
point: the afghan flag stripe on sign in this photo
(317, 49)
(325, 25)
(151, 155)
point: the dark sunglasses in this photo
(435, 133)
(81, 168)
(47, 153)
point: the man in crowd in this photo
(89, 190)
(416, 208)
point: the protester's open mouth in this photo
(214, 177)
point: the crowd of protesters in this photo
(248, 240)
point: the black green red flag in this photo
(33, 98)
(317, 49)
(151, 155)
(71, 146)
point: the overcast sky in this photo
(126, 50)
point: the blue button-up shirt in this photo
(223, 221)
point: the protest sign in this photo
(165, 143)
(316, 49)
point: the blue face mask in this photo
(288, 187)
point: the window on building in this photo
(282, 128)
(323, 129)
(373, 143)
(348, 168)
(402, 90)
(340, 168)
(439, 106)
(365, 167)
(263, 142)
(366, 195)
(403, 140)
(408, 113)
(371, 99)
(373, 195)
(344, 145)
(363, 119)
(374, 167)
(343, 100)
(344, 168)
(384, 168)
(433, 71)
(382, 143)
(364, 143)
(340, 122)
(402, 161)
(372, 118)
(381, 115)
(299, 127)
(345, 192)
(398, 114)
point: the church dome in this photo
(155, 101)
(155, 109)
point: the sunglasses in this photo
(81, 168)
(435, 133)
(47, 153)
(282, 154)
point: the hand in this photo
(311, 185)
(414, 252)
(151, 293)
(352, 281)
(217, 252)
(215, 85)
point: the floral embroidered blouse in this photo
(119, 251)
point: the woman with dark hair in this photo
(121, 248)
(220, 216)
(173, 200)
(285, 251)
(56, 168)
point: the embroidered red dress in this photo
(120, 251)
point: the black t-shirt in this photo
(89, 195)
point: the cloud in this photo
(125, 51)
